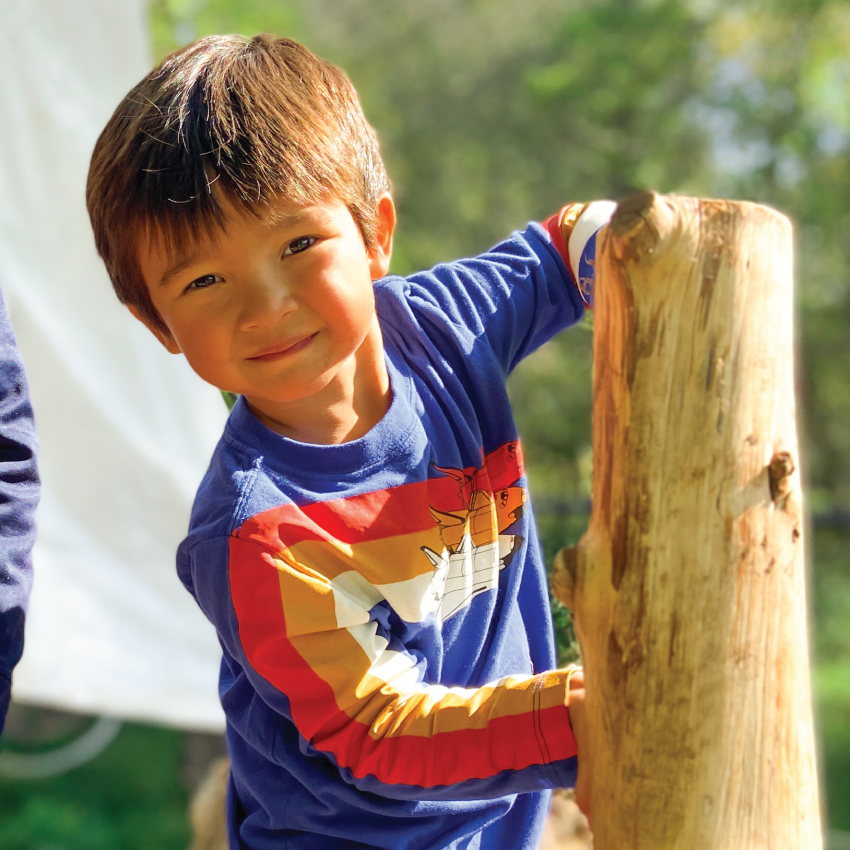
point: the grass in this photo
(834, 733)
(129, 798)
(831, 650)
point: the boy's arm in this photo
(315, 654)
(520, 293)
(19, 490)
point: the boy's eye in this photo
(299, 245)
(204, 281)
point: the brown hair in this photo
(246, 120)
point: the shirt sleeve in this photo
(512, 299)
(316, 654)
(19, 490)
(520, 293)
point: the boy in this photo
(361, 541)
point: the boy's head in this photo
(226, 123)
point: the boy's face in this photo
(277, 308)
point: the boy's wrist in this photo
(574, 230)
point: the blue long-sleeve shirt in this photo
(19, 491)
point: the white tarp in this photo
(126, 429)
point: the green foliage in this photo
(779, 94)
(831, 606)
(174, 23)
(127, 799)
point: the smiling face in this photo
(281, 309)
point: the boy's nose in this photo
(265, 300)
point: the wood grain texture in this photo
(688, 590)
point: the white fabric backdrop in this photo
(126, 429)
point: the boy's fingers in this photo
(576, 707)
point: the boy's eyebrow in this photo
(293, 219)
(180, 266)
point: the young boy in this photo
(362, 541)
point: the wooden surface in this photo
(688, 589)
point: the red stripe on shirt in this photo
(553, 225)
(506, 743)
(381, 513)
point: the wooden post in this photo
(687, 590)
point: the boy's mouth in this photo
(283, 349)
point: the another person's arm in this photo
(19, 490)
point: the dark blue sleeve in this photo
(516, 296)
(19, 490)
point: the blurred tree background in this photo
(495, 112)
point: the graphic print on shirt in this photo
(475, 549)
(305, 582)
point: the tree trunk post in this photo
(687, 590)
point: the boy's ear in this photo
(164, 337)
(379, 254)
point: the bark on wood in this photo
(687, 590)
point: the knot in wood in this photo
(564, 571)
(779, 473)
(640, 223)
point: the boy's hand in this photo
(578, 722)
